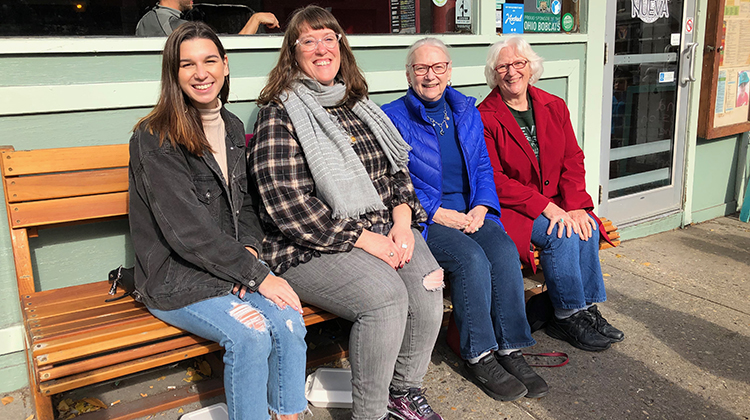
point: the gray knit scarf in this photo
(340, 178)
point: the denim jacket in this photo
(189, 229)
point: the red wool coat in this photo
(523, 193)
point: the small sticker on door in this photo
(666, 77)
(675, 39)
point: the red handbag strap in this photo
(552, 354)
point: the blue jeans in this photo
(265, 351)
(486, 287)
(571, 266)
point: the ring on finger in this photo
(391, 254)
(562, 220)
(404, 246)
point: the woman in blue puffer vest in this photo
(452, 175)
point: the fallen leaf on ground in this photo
(144, 395)
(647, 264)
(64, 405)
(7, 400)
(180, 410)
(31, 417)
(618, 255)
(95, 402)
(606, 275)
(205, 368)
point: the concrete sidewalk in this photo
(682, 299)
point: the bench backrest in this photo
(54, 187)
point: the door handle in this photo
(688, 62)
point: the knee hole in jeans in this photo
(248, 316)
(434, 280)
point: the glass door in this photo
(649, 58)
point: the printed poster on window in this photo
(463, 15)
(403, 17)
(731, 105)
(542, 15)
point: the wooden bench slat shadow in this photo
(74, 337)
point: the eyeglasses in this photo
(329, 41)
(437, 68)
(518, 65)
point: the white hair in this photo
(432, 42)
(522, 49)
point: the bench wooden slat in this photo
(49, 212)
(29, 162)
(36, 312)
(75, 326)
(74, 184)
(73, 293)
(119, 357)
(120, 341)
(127, 328)
(122, 369)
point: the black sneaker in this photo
(605, 328)
(496, 381)
(516, 365)
(579, 331)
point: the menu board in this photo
(725, 85)
(404, 16)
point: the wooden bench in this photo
(74, 337)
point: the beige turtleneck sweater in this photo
(213, 126)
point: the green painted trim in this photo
(720, 210)
(94, 45)
(11, 340)
(26, 100)
(592, 113)
(691, 140)
(650, 228)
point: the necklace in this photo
(439, 125)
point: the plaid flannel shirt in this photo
(297, 224)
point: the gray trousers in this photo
(384, 304)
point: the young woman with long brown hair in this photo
(196, 234)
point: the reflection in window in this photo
(120, 17)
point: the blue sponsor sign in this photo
(512, 18)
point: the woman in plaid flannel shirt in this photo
(339, 212)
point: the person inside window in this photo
(166, 16)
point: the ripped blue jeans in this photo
(265, 351)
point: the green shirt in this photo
(525, 120)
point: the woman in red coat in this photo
(539, 176)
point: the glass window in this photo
(120, 17)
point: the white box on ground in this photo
(213, 412)
(329, 387)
